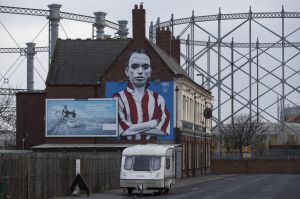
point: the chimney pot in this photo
(135, 6)
(141, 6)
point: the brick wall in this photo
(168, 43)
(80, 92)
(255, 166)
(159, 68)
(30, 126)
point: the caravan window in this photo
(128, 163)
(167, 163)
(156, 163)
(146, 163)
(142, 163)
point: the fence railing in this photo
(44, 175)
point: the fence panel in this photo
(49, 174)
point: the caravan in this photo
(148, 167)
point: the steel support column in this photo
(219, 80)
(30, 52)
(192, 47)
(257, 82)
(54, 18)
(208, 79)
(250, 65)
(232, 81)
(283, 70)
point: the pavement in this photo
(118, 193)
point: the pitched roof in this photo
(170, 61)
(83, 62)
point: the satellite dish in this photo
(207, 113)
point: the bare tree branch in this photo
(8, 118)
(242, 131)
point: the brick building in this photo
(83, 69)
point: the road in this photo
(243, 187)
(271, 186)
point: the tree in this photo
(242, 131)
(8, 118)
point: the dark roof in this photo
(170, 61)
(31, 92)
(48, 146)
(83, 62)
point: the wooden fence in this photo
(49, 174)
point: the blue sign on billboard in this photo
(81, 118)
(149, 114)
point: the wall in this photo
(196, 152)
(30, 127)
(191, 96)
(256, 166)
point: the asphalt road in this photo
(272, 186)
(243, 187)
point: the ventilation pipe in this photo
(54, 18)
(30, 52)
(100, 24)
(123, 30)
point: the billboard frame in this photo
(116, 134)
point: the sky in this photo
(24, 29)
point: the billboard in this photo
(81, 118)
(156, 95)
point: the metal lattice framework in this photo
(63, 15)
(243, 76)
(54, 15)
(23, 50)
(49, 14)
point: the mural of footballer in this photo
(140, 110)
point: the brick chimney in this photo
(138, 23)
(169, 44)
(163, 39)
(175, 49)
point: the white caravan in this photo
(148, 167)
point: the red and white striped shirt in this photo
(133, 111)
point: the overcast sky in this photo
(25, 29)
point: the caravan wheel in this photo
(167, 189)
(129, 191)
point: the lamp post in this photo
(207, 115)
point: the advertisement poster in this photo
(81, 118)
(157, 95)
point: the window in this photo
(128, 163)
(156, 163)
(184, 108)
(168, 163)
(142, 163)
